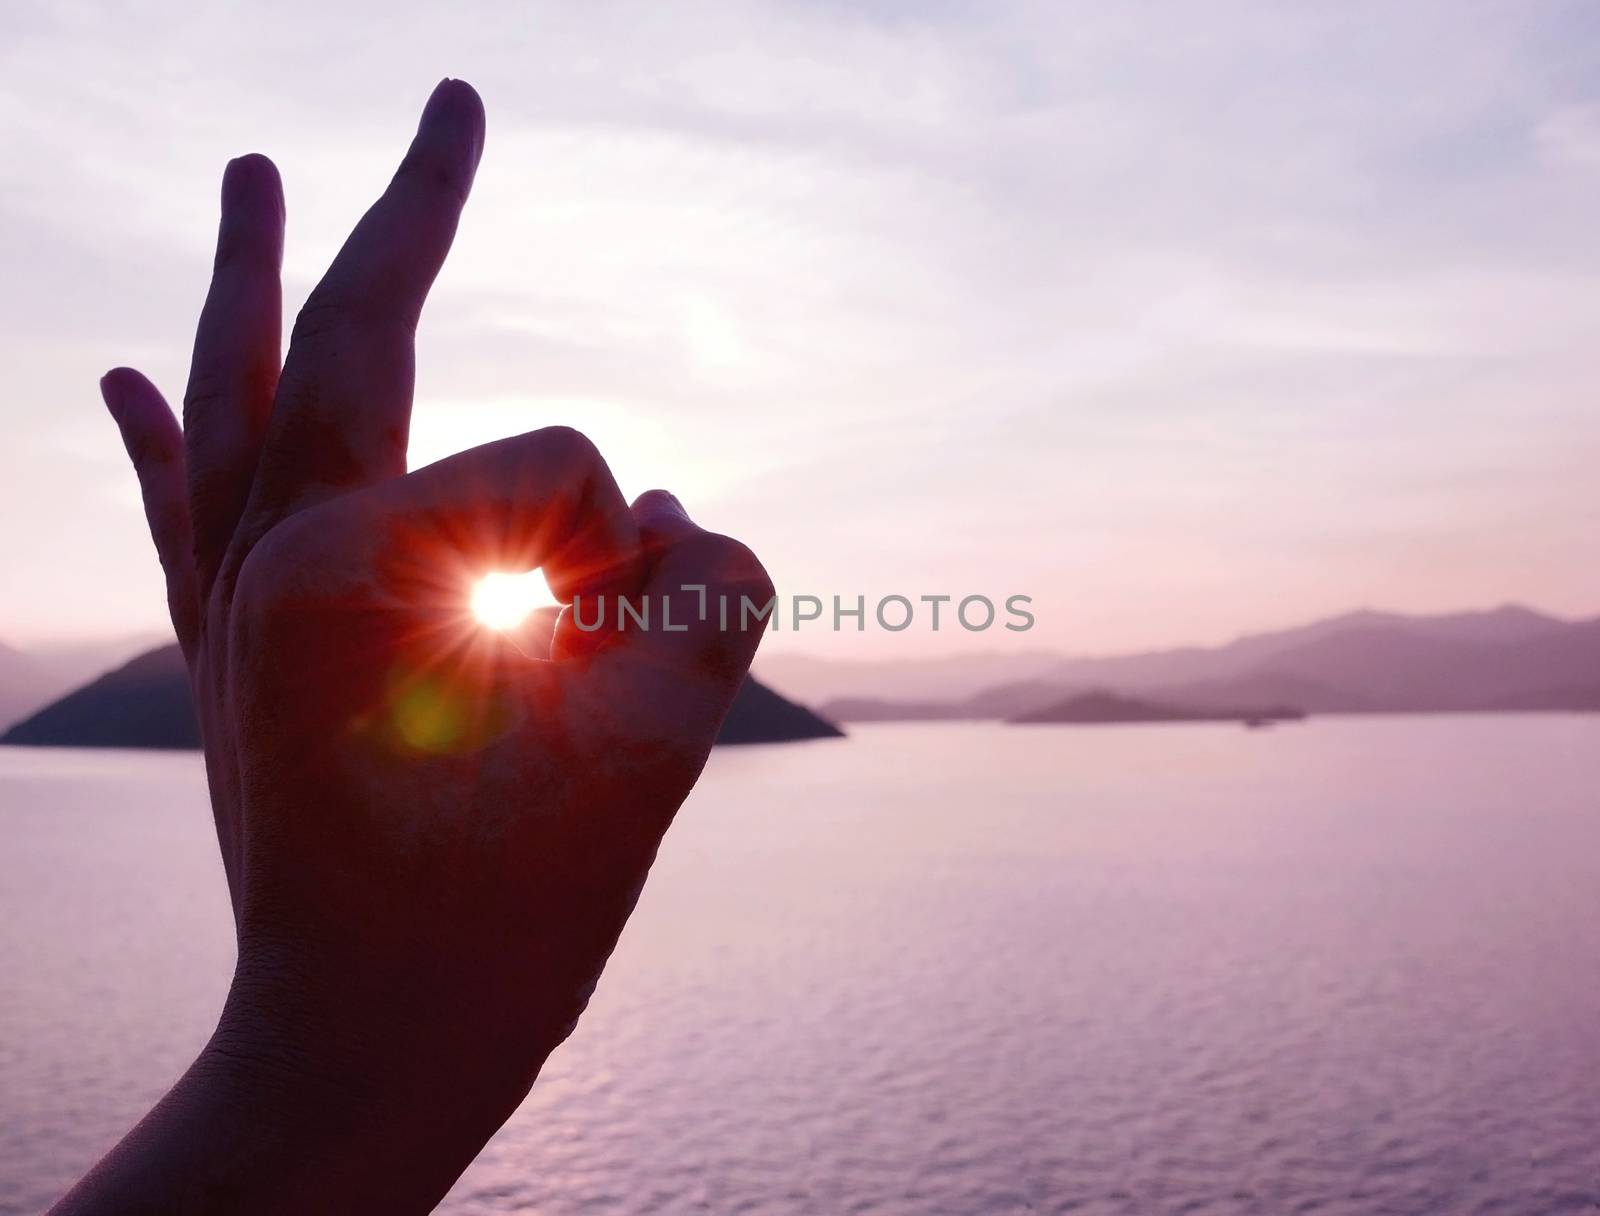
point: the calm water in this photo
(1346, 967)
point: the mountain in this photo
(1534, 667)
(146, 703)
(1411, 669)
(1294, 650)
(906, 683)
(143, 703)
(32, 678)
(1361, 662)
(1572, 699)
(759, 715)
(1102, 707)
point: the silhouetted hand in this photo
(432, 839)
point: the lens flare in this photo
(503, 601)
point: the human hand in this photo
(431, 838)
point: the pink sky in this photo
(1184, 327)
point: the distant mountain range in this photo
(146, 703)
(1507, 658)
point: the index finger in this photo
(344, 400)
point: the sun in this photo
(504, 601)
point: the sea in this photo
(1349, 965)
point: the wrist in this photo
(249, 1131)
(278, 1122)
(385, 1048)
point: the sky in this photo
(1183, 320)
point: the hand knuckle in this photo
(322, 313)
(570, 445)
(282, 569)
(154, 446)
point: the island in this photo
(1103, 707)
